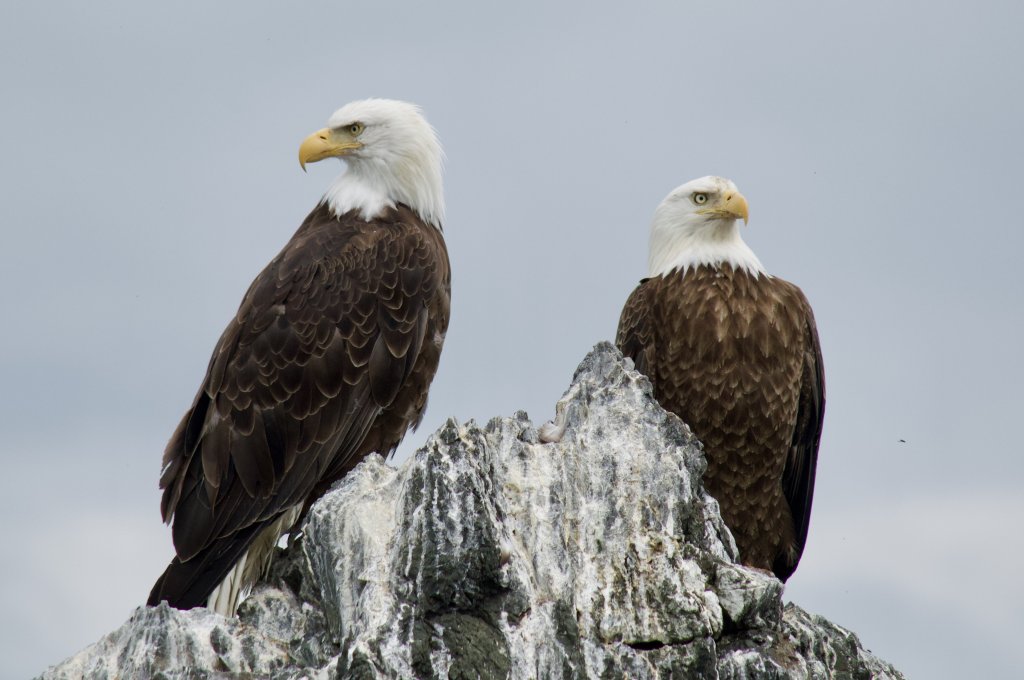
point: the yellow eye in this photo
(700, 199)
(355, 128)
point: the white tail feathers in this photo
(251, 566)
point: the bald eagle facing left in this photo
(734, 353)
(328, 359)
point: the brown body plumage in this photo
(328, 359)
(735, 354)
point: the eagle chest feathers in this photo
(730, 354)
(726, 339)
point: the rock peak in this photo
(587, 550)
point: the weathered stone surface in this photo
(589, 551)
(160, 642)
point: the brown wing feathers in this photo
(322, 345)
(802, 462)
(635, 336)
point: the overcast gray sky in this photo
(149, 172)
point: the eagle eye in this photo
(355, 128)
(700, 198)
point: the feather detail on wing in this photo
(635, 335)
(798, 474)
(322, 344)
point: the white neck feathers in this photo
(694, 241)
(372, 186)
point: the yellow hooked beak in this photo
(326, 143)
(732, 205)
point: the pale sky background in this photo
(149, 172)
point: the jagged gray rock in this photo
(494, 554)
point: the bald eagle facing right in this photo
(734, 352)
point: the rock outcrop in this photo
(492, 554)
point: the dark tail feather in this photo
(785, 564)
(186, 585)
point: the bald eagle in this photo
(734, 352)
(328, 359)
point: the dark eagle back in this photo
(328, 359)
